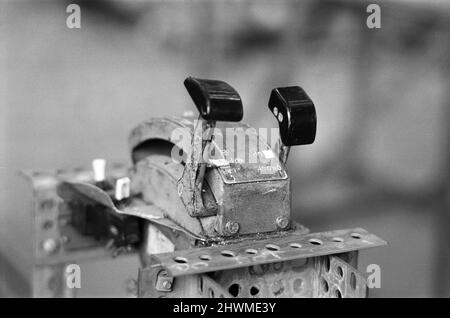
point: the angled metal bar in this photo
(248, 253)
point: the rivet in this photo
(282, 222)
(167, 284)
(50, 246)
(232, 227)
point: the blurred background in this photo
(381, 159)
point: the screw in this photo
(232, 227)
(167, 284)
(282, 222)
(50, 246)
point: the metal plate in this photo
(250, 252)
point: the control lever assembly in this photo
(206, 205)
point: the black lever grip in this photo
(295, 113)
(215, 100)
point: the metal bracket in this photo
(312, 265)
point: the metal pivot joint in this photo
(296, 116)
(215, 101)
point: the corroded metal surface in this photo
(231, 179)
(193, 191)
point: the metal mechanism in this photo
(206, 204)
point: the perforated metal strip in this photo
(248, 253)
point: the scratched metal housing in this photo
(234, 182)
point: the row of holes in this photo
(270, 247)
(235, 288)
(340, 273)
(324, 285)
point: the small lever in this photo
(215, 101)
(296, 117)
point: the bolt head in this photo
(282, 222)
(50, 246)
(232, 227)
(167, 284)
